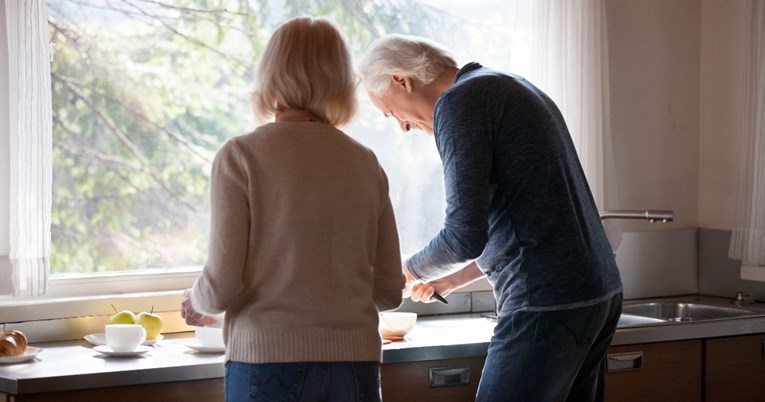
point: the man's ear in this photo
(402, 82)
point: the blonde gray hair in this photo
(306, 65)
(404, 55)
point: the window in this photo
(145, 91)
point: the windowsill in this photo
(51, 319)
(85, 296)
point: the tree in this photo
(145, 91)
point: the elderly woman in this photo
(301, 219)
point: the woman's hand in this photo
(191, 316)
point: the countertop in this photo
(63, 366)
(75, 365)
(71, 365)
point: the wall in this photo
(723, 54)
(659, 263)
(654, 53)
(677, 84)
(718, 275)
(677, 70)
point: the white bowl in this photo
(396, 323)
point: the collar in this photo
(472, 66)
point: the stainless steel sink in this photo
(628, 320)
(681, 312)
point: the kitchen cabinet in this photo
(400, 382)
(199, 390)
(664, 371)
(734, 368)
(450, 380)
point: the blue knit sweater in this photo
(517, 198)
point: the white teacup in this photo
(124, 337)
(209, 337)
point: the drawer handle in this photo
(625, 361)
(449, 376)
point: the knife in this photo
(439, 298)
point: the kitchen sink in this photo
(681, 312)
(628, 320)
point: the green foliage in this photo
(145, 91)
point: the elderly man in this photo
(519, 211)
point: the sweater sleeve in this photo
(464, 140)
(389, 278)
(221, 277)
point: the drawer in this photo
(447, 380)
(664, 371)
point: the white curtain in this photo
(748, 238)
(570, 64)
(30, 118)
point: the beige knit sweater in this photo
(303, 246)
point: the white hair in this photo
(408, 56)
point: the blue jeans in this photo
(550, 355)
(304, 381)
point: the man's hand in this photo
(410, 280)
(423, 292)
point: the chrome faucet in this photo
(653, 216)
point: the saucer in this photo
(100, 339)
(108, 351)
(205, 349)
(29, 354)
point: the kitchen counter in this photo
(72, 365)
(62, 366)
(75, 365)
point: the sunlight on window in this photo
(144, 93)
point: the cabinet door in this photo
(198, 390)
(665, 371)
(735, 368)
(453, 380)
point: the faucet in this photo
(651, 215)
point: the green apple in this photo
(123, 317)
(151, 322)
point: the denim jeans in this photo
(550, 355)
(304, 381)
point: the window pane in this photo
(145, 91)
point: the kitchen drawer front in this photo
(198, 390)
(450, 380)
(665, 371)
(735, 368)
